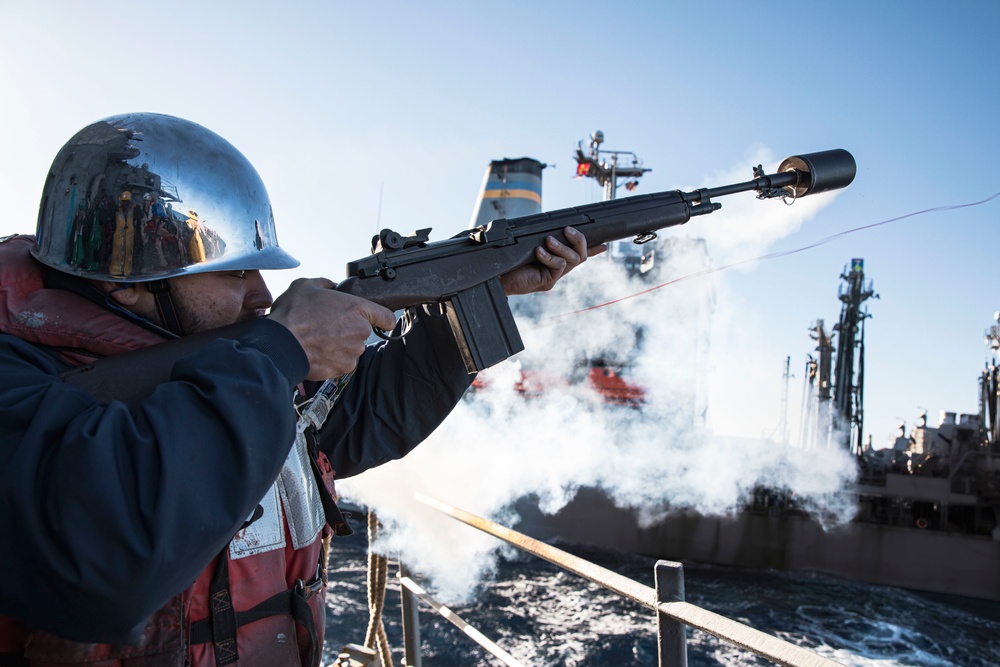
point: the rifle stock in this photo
(462, 273)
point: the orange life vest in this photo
(261, 601)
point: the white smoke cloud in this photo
(498, 447)
(746, 228)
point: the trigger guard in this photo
(387, 335)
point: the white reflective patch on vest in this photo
(265, 534)
(300, 496)
(294, 491)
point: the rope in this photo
(378, 575)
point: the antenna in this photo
(607, 172)
(786, 376)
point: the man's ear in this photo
(124, 294)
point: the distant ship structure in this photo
(944, 477)
(513, 187)
(833, 413)
(928, 507)
(613, 169)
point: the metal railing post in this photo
(743, 636)
(670, 635)
(411, 623)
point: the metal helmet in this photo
(142, 197)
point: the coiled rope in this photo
(378, 575)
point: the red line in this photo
(772, 255)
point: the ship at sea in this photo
(924, 512)
(926, 518)
(927, 508)
(546, 616)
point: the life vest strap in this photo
(293, 602)
(335, 518)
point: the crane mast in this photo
(850, 360)
(833, 398)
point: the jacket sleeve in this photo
(106, 512)
(401, 391)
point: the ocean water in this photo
(545, 616)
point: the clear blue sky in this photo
(337, 102)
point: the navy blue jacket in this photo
(107, 512)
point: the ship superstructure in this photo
(927, 507)
(513, 187)
(833, 403)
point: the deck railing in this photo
(667, 600)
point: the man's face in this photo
(211, 300)
(202, 300)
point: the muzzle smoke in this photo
(499, 446)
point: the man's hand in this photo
(331, 326)
(555, 260)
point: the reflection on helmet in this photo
(112, 204)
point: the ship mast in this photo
(989, 389)
(817, 421)
(849, 369)
(785, 377)
(609, 168)
(604, 167)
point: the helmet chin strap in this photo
(160, 290)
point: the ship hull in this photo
(926, 560)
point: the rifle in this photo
(463, 273)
